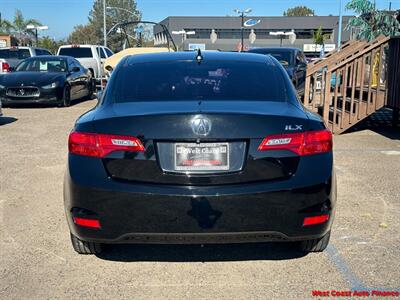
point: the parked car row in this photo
(91, 56)
(46, 79)
(100, 60)
(50, 79)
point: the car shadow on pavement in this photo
(42, 105)
(198, 253)
(78, 101)
(7, 120)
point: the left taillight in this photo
(315, 220)
(5, 67)
(100, 145)
(301, 143)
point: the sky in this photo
(62, 15)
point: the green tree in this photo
(50, 44)
(299, 11)
(371, 22)
(119, 11)
(83, 34)
(319, 38)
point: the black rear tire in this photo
(315, 245)
(92, 88)
(66, 101)
(83, 247)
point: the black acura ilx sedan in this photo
(199, 148)
(46, 79)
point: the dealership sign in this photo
(317, 48)
(251, 22)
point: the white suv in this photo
(91, 57)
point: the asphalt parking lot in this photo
(37, 260)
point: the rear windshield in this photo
(188, 80)
(76, 52)
(14, 53)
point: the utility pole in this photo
(36, 37)
(36, 28)
(104, 23)
(242, 14)
(339, 40)
(242, 31)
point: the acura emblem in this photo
(22, 92)
(201, 126)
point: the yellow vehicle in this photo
(112, 61)
(167, 45)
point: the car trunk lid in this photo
(237, 127)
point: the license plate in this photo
(201, 157)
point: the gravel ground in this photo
(37, 260)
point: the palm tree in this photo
(319, 39)
(20, 24)
(6, 26)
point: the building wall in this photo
(7, 41)
(228, 30)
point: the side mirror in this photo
(75, 69)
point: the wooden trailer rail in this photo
(349, 85)
(331, 57)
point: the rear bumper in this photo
(144, 213)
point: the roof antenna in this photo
(199, 57)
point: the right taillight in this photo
(317, 142)
(301, 143)
(5, 67)
(100, 145)
(85, 222)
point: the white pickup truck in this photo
(91, 57)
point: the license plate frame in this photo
(202, 157)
